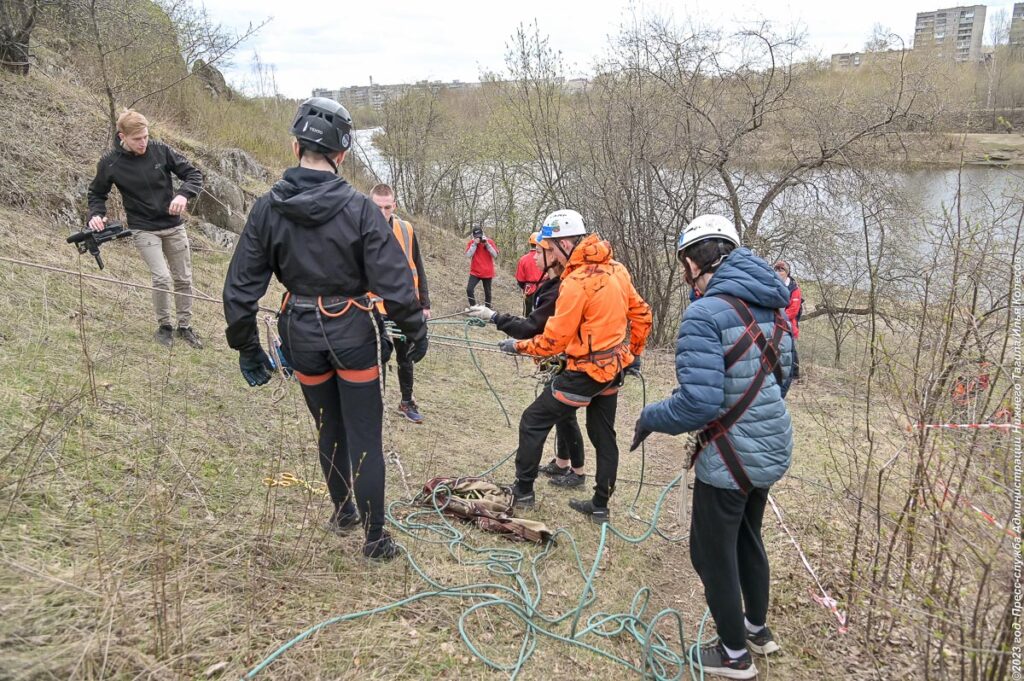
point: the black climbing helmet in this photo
(323, 125)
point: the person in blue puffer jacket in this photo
(732, 391)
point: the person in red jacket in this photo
(794, 310)
(481, 252)
(528, 275)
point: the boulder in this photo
(220, 237)
(222, 202)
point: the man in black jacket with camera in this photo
(143, 172)
(329, 245)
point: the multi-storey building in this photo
(955, 33)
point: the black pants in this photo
(471, 290)
(557, 404)
(569, 441)
(345, 402)
(405, 368)
(728, 554)
(796, 363)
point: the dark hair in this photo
(706, 253)
(314, 150)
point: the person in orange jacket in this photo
(529, 275)
(597, 307)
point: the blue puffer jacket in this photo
(763, 437)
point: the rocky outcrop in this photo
(225, 200)
(212, 79)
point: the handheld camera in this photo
(88, 241)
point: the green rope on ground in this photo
(523, 600)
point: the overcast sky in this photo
(334, 44)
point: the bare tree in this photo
(17, 19)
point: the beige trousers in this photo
(169, 258)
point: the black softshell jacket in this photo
(319, 237)
(146, 184)
(522, 328)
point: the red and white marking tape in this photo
(971, 426)
(824, 599)
(948, 492)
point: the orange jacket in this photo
(404, 235)
(595, 304)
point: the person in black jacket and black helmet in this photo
(329, 245)
(566, 469)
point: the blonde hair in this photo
(131, 122)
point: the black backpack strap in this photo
(718, 430)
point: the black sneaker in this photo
(383, 549)
(522, 499)
(762, 643)
(343, 520)
(597, 514)
(186, 334)
(713, 659)
(165, 335)
(551, 468)
(569, 478)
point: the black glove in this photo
(639, 435)
(634, 368)
(508, 345)
(417, 349)
(256, 366)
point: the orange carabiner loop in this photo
(332, 315)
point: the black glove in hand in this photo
(508, 345)
(639, 435)
(255, 366)
(417, 349)
(634, 368)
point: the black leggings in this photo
(471, 290)
(728, 554)
(345, 402)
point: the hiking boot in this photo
(551, 468)
(762, 643)
(343, 519)
(186, 334)
(522, 499)
(383, 549)
(410, 411)
(569, 478)
(712, 659)
(597, 514)
(165, 335)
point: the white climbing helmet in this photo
(562, 224)
(708, 227)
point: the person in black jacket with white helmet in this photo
(329, 245)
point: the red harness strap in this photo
(718, 430)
